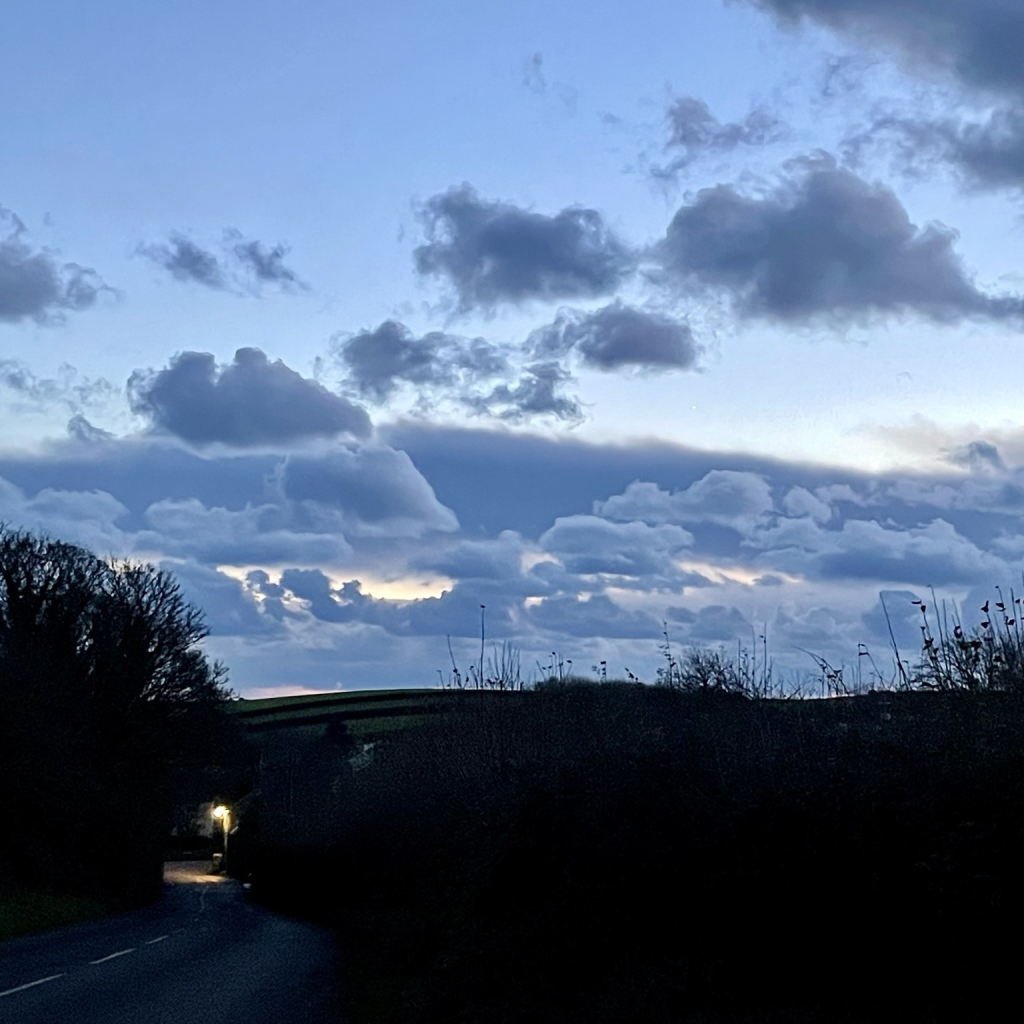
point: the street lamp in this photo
(222, 814)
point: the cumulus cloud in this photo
(724, 497)
(799, 501)
(269, 534)
(250, 402)
(34, 284)
(695, 132)
(246, 264)
(93, 518)
(932, 554)
(617, 337)
(498, 559)
(824, 243)
(378, 489)
(590, 545)
(494, 252)
(437, 364)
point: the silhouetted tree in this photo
(104, 693)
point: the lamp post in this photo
(222, 814)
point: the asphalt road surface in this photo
(204, 954)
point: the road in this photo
(204, 954)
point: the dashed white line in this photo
(31, 984)
(104, 959)
(149, 942)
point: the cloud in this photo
(93, 518)
(378, 489)
(267, 534)
(723, 497)
(695, 132)
(250, 402)
(597, 617)
(619, 337)
(932, 554)
(499, 559)
(801, 502)
(533, 74)
(973, 43)
(378, 361)
(987, 151)
(495, 252)
(228, 607)
(34, 285)
(538, 394)
(69, 388)
(265, 264)
(979, 457)
(977, 42)
(589, 545)
(246, 264)
(84, 432)
(184, 260)
(823, 244)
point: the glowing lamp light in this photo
(220, 812)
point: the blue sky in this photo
(604, 317)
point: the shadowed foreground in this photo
(203, 953)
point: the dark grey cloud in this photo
(437, 364)
(695, 132)
(619, 337)
(228, 609)
(246, 264)
(499, 559)
(822, 244)
(978, 456)
(539, 393)
(978, 42)
(494, 252)
(184, 260)
(974, 43)
(986, 152)
(716, 624)
(264, 263)
(597, 617)
(250, 402)
(34, 284)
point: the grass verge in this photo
(24, 912)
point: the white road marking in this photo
(149, 942)
(104, 959)
(31, 984)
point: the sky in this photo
(598, 322)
